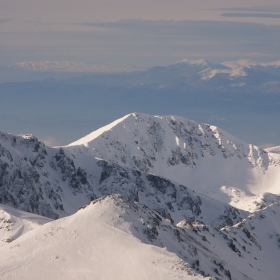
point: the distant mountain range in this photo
(187, 71)
(74, 103)
(157, 197)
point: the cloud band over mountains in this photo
(254, 15)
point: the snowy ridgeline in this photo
(207, 202)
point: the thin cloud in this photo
(188, 28)
(50, 141)
(267, 145)
(145, 43)
(266, 9)
(252, 15)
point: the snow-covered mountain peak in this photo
(8, 137)
(126, 125)
(181, 150)
(173, 148)
(199, 62)
(28, 136)
(210, 73)
(157, 136)
(244, 63)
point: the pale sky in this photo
(138, 32)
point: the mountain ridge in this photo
(111, 230)
(171, 150)
(164, 186)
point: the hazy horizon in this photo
(138, 33)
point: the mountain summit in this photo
(200, 156)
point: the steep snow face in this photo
(199, 156)
(98, 132)
(113, 238)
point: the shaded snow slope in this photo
(199, 156)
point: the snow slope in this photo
(115, 238)
(112, 238)
(14, 223)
